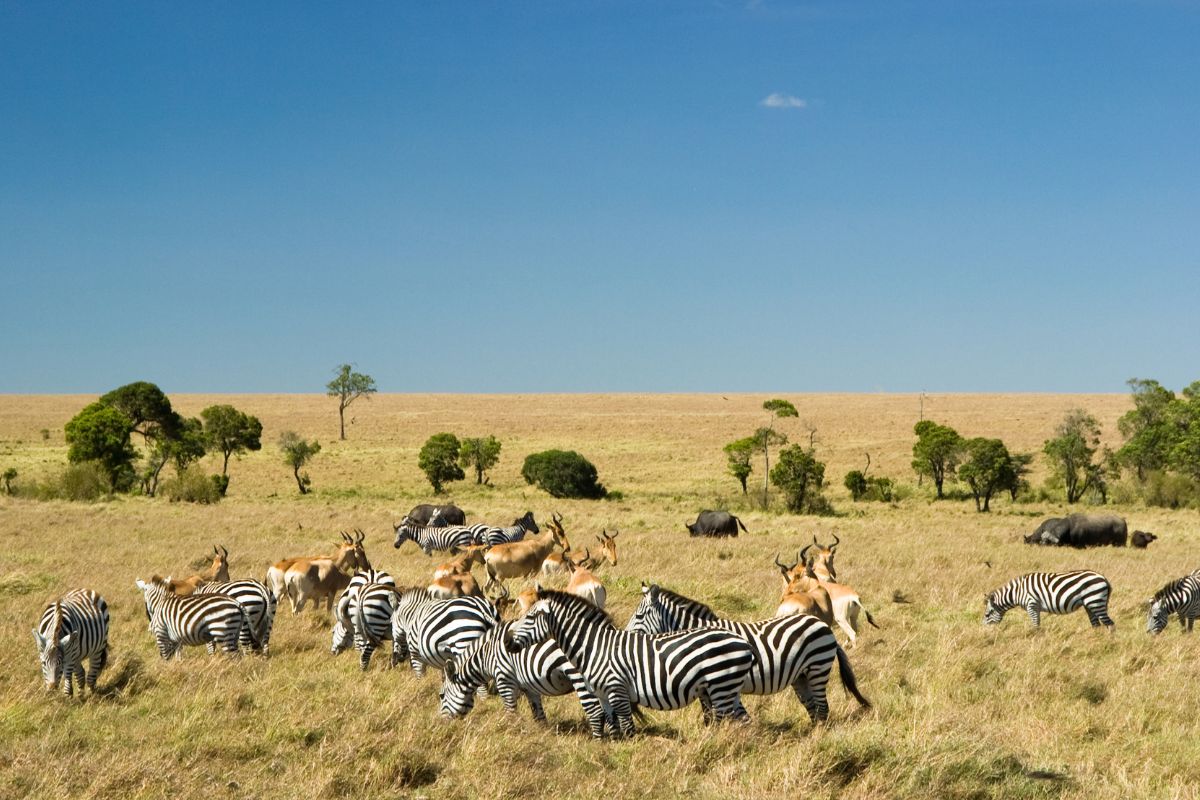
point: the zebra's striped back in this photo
(429, 631)
(493, 535)
(790, 651)
(374, 606)
(1180, 597)
(540, 670)
(260, 605)
(197, 619)
(73, 628)
(347, 603)
(430, 539)
(666, 671)
(1052, 593)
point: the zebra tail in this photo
(251, 633)
(848, 680)
(360, 622)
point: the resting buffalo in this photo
(1081, 530)
(715, 523)
(437, 516)
(1142, 538)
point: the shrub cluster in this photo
(563, 473)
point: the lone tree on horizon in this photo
(765, 437)
(347, 387)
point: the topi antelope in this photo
(217, 571)
(320, 579)
(846, 602)
(523, 558)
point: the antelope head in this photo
(608, 546)
(219, 571)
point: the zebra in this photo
(541, 670)
(1054, 593)
(492, 535)
(208, 619)
(428, 631)
(793, 650)
(260, 605)
(73, 628)
(451, 537)
(373, 608)
(1180, 597)
(667, 671)
(344, 608)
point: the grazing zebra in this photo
(73, 628)
(373, 608)
(428, 631)
(1180, 597)
(794, 650)
(260, 605)
(344, 608)
(492, 536)
(451, 537)
(541, 670)
(666, 671)
(1053, 593)
(207, 619)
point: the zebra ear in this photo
(141, 584)
(41, 640)
(645, 588)
(64, 641)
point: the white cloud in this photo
(781, 100)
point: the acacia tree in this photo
(987, 469)
(480, 454)
(740, 453)
(1076, 440)
(147, 408)
(347, 386)
(438, 459)
(100, 433)
(230, 432)
(767, 436)
(297, 452)
(936, 453)
(183, 448)
(800, 476)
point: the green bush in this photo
(85, 482)
(563, 473)
(191, 485)
(438, 459)
(1170, 490)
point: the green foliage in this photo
(563, 473)
(45, 434)
(480, 454)
(800, 476)
(856, 482)
(1149, 429)
(438, 459)
(987, 468)
(1170, 490)
(8, 477)
(740, 453)
(230, 432)
(1185, 450)
(937, 452)
(147, 408)
(85, 482)
(1071, 453)
(781, 408)
(347, 386)
(192, 485)
(297, 452)
(100, 433)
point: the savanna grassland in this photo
(959, 711)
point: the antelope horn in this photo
(836, 541)
(345, 536)
(802, 552)
(224, 551)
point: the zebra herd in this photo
(672, 652)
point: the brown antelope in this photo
(553, 563)
(523, 558)
(803, 595)
(456, 584)
(322, 578)
(471, 555)
(846, 602)
(608, 546)
(504, 603)
(528, 597)
(218, 571)
(583, 583)
(277, 571)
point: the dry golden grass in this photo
(960, 711)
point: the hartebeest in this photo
(846, 602)
(456, 584)
(583, 582)
(322, 578)
(276, 572)
(217, 571)
(553, 564)
(463, 562)
(803, 595)
(523, 558)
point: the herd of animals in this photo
(673, 651)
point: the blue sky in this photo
(600, 196)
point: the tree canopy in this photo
(297, 452)
(347, 386)
(100, 433)
(479, 454)
(1071, 453)
(230, 432)
(936, 453)
(438, 459)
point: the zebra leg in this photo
(166, 648)
(364, 658)
(507, 691)
(805, 695)
(622, 709)
(726, 703)
(211, 647)
(79, 681)
(535, 705)
(1031, 608)
(1099, 616)
(95, 664)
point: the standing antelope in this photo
(217, 571)
(524, 558)
(71, 629)
(463, 562)
(803, 594)
(277, 571)
(846, 602)
(322, 578)
(583, 583)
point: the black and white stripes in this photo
(429, 539)
(199, 619)
(73, 628)
(1180, 597)
(1052, 593)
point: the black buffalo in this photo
(1142, 538)
(1081, 530)
(437, 516)
(715, 523)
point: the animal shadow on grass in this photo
(130, 680)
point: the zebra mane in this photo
(694, 605)
(56, 622)
(1171, 587)
(578, 605)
